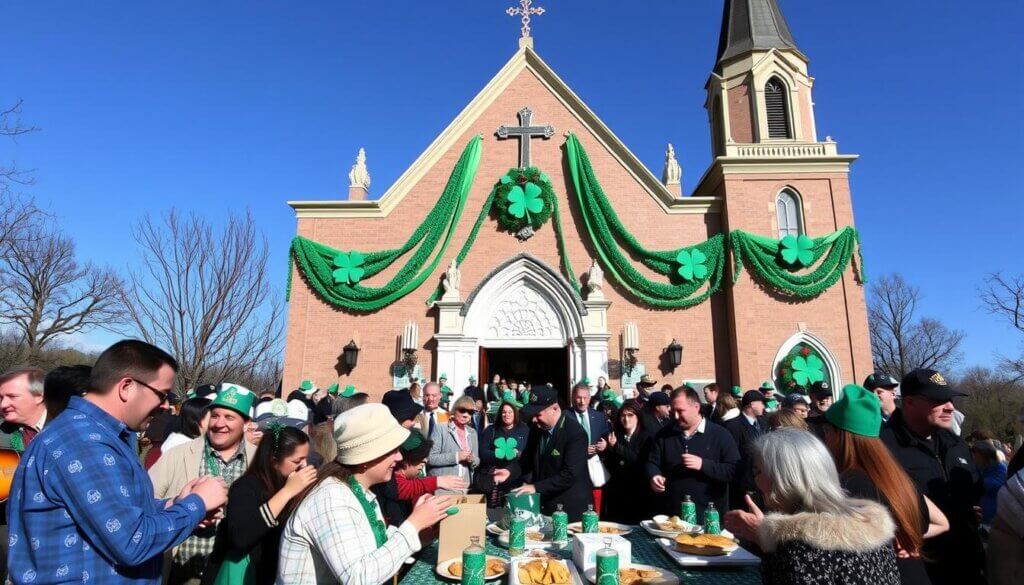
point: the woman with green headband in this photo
(248, 539)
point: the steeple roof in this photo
(748, 25)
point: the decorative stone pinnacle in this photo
(524, 12)
(359, 176)
(672, 174)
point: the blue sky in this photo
(222, 106)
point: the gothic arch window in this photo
(776, 106)
(789, 213)
(802, 360)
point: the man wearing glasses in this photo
(82, 507)
(222, 452)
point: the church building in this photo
(528, 241)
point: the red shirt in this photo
(411, 489)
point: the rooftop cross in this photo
(524, 133)
(524, 12)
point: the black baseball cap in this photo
(659, 399)
(752, 396)
(401, 405)
(541, 397)
(928, 384)
(880, 380)
(822, 388)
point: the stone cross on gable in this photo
(524, 132)
(524, 12)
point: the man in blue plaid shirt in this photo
(81, 505)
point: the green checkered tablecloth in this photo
(645, 552)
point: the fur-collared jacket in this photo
(810, 548)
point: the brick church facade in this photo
(515, 311)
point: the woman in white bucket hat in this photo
(337, 533)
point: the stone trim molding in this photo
(540, 269)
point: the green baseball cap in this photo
(858, 411)
(737, 392)
(234, 397)
(767, 385)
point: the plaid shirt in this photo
(82, 507)
(328, 539)
(190, 558)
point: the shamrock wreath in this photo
(523, 198)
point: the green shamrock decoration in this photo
(348, 267)
(505, 448)
(797, 250)
(525, 200)
(808, 370)
(691, 264)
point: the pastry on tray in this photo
(705, 544)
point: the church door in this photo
(533, 365)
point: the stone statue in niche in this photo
(452, 281)
(672, 174)
(595, 281)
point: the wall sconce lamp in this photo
(675, 354)
(350, 354)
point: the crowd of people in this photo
(120, 480)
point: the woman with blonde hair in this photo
(727, 405)
(786, 418)
(456, 447)
(416, 391)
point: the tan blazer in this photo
(423, 423)
(181, 465)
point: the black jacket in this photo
(245, 529)
(943, 470)
(558, 469)
(718, 450)
(744, 434)
(711, 412)
(625, 496)
(649, 422)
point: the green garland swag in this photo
(336, 275)
(773, 261)
(689, 269)
(800, 369)
(523, 198)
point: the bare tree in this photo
(11, 126)
(203, 295)
(900, 341)
(48, 294)
(1004, 297)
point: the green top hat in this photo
(737, 392)
(236, 398)
(332, 389)
(857, 411)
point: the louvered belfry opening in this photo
(777, 109)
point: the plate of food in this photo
(721, 554)
(534, 538)
(556, 571)
(496, 568)
(603, 527)
(639, 575)
(670, 527)
(705, 545)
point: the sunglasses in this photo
(465, 410)
(165, 396)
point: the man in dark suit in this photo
(710, 409)
(554, 462)
(690, 458)
(745, 429)
(594, 423)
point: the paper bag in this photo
(458, 529)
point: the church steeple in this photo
(748, 25)
(760, 90)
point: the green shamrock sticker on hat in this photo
(505, 448)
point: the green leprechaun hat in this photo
(332, 389)
(348, 391)
(234, 397)
(857, 411)
(767, 385)
(737, 392)
(307, 387)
